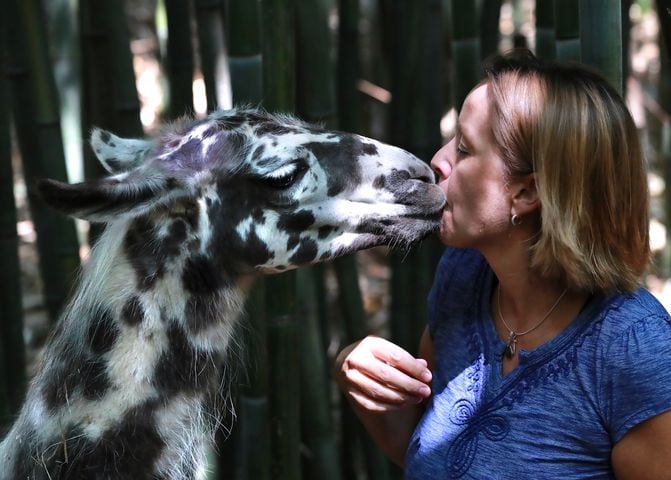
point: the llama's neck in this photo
(129, 376)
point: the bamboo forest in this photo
(393, 70)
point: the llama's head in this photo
(266, 192)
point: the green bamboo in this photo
(465, 48)
(321, 458)
(545, 29)
(601, 38)
(244, 51)
(665, 103)
(279, 94)
(97, 92)
(355, 328)
(348, 66)
(284, 380)
(664, 14)
(212, 50)
(110, 99)
(64, 47)
(36, 117)
(315, 70)
(490, 15)
(109, 95)
(179, 58)
(12, 355)
(415, 126)
(567, 29)
(254, 431)
(314, 79)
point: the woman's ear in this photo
(524, 194)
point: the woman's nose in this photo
(440, 163)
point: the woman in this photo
(543, 358)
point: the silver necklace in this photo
(511, 345)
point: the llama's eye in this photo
(285, 177)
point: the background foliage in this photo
(396, 70)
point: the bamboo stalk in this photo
(348, 68)
(545, 29)
(415, 126)
(179, 58)
(355, 328)
(109, 95)
(12, 355)
(279, 94)
(284, 381)
(490, 14)
(97, 94)
(244, 46)
(601, 38)
(465, 47)
(212, 51)
(314, 79)
(567, 29)
(665, 143)
(664, 14)
(110, 98)
(36, 117)
(254, 434)
(321, 460)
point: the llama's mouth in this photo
(402, 231)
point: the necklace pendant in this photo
(511, 346)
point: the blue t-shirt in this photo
(557, 415)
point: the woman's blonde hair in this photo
(569, 127)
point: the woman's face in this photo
(471, 173)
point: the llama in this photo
(127, 379)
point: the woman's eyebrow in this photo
(460, 132)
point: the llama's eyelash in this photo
(285, 176)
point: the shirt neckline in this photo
(527, 358)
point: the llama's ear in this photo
(108, 198)
(118, 154)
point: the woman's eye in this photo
(462, 150)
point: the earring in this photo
(515, 220)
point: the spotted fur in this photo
(127, 386)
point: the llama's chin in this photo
(402, 233)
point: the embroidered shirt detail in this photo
(462, 451)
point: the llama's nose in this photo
(423, 173)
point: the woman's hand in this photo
(379, 376)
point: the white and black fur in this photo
(125, 387)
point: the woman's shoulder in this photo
(634, 311)
(634, 361)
